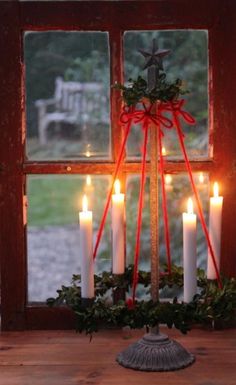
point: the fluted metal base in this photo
(155, 353)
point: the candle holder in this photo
(155, 352)
(149, 103)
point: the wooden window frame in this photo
(115, 17)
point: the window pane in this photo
(188, 61)
(67, 95)
(178, 190)
(53, 230)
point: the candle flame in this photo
(85, 203)
(117, 186)
(168, 179)
(216, 189)
(201, 177)
(163, 151)
(88, 180)
(88, 154)
(190, 206)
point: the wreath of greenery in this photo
(210, 305)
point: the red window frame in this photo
(115, 17)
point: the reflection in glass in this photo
(188, 61)
(53, 230)
(67, 95)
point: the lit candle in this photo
(216, 203)
(118, 228)
(86, 251)
(168, 182)
(189, 253)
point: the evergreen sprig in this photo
(137, 90)
(211, 305)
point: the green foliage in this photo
(212, 304)
(164, 91)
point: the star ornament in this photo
(154, 56)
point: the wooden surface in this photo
(218, 17)
(64, 357)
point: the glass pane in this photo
(178, 190)
(67, 95)
(54, 202)
(132, 188)
(188, 61)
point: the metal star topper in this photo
(153, 63)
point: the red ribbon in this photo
(144, 115)
(176, 108)
(177, 111)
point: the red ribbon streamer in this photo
(185, 115)
(140, 209)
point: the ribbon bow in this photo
(176, 106)
(145, 115)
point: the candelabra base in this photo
(155, 353)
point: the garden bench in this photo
(73, 103)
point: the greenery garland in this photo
(137, 90)
(210, 305)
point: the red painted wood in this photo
(108, 168)
(12, 247)
(43, 317)
(116, 65)
(104, 15)
(222, 42)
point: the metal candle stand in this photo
(155, 351)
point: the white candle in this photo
(189, 253)
(86, 251)
(216, 203)
(118, 228)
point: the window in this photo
(25, 168)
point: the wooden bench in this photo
(73, 103)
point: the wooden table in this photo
(65, 358)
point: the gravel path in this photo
(53, 256)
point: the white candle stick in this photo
(189, 253)
(86, 251)
(216, 203)
(118, 228)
